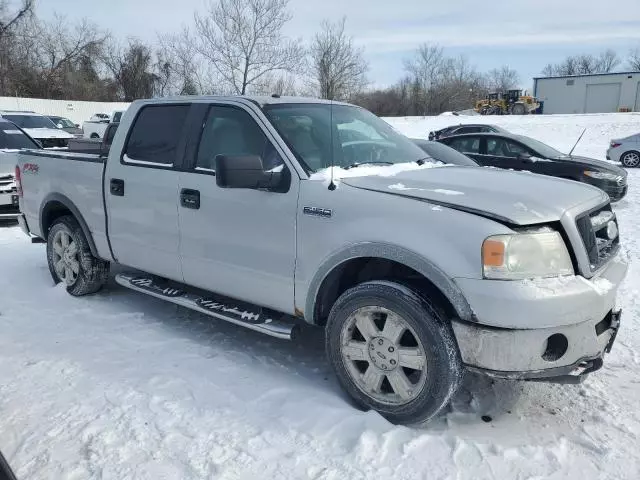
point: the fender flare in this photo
(59, 198)
(397, 254)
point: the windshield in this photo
(542, 148)
(445, 154)
(12, 138)
(359, 137)
(30, 121)
(65, 122)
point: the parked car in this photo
(12, 139)
(39, 128)
(466, 128)
(417, 272)
(99, 146)
(625, 150)
(96, 127)
(66, 125)
(517, 152)
(443, 153)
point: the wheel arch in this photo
(374, 261)
(56, 205)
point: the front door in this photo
(238, 242)
(141, 191)
(504, 153)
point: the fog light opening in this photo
(557, 345)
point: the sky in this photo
(524, 34)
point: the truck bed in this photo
(75, 177)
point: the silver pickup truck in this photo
(270, 212)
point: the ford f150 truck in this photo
(268, 211)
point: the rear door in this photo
(505, 153)
(238, 241)
(141, 191)
(470, 145)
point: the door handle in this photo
(190, 198)
(116, 187)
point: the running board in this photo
(239, 313)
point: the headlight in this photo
(525, 255)
(601, 175)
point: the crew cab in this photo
(272, 212)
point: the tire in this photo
(71, 261)
(427, 339)
(518, 109)
(630, 159)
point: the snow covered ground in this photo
(122, 386)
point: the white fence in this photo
(76, 111)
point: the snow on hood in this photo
(368, 170)
(40, 133)
(513, 197)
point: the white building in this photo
(597, 93)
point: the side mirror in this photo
(245, 171)
(524, 156)
(77, 125)
(60, 125)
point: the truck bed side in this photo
(55, 183)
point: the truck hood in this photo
(39, 133)
(518, 198)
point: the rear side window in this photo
(466, 145)
(156, 133)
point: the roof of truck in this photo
(260, 100)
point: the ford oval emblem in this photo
(612, 230)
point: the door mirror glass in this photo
(246, 171)
(60, 125)
(524, 156)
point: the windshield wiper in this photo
(422, 161)
(354, 165)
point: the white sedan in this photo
(625, 150)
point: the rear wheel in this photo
(393, 352)
(630, 159)
(71, 261)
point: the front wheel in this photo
(71, 261)
(393, 352)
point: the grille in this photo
(596, 229)
(54, 142)
(7, 185)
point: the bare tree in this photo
(503, 78)
(243, 41)
(189, 73)
(426, 65)
(10, 20)
(634, 59)
(132, 70)
(338, 65)
(57, 47)
(584, 64)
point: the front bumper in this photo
(9, 208)
(574, 372)
(519, 322)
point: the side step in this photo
(246, 315)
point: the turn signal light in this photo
(492, 253)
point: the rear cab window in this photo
(155, 135)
